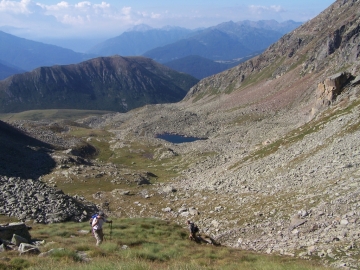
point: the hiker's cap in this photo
(101, 213)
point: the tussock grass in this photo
(151, 244)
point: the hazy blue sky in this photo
(111, 17)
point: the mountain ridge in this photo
(236, 40)
(107, 83)
(135, 42)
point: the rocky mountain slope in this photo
(278, 172)
(114, 84)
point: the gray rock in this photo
(182, 209)
(169, 189)
(184, 214)
(166, 209)
(296, 222)
(193, 211)
(7, 231)
(28, 249)
(39, 202)
(17, 240)
(215, 223)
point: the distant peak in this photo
(140, 28)
(169, 27)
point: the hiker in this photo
(193, 230)
(97, 226)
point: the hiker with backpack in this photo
(193, 230)
(97, 227)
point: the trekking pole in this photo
(110, 230)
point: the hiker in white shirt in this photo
(97, 226)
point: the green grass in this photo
(152, 244)
(36, 115)
(135, 155)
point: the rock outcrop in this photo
(7, 231)
(328, 90)
(32, 199)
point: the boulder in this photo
(193, 211)
(169, 189)
(17, 240)
(166, 209)
(328, 90)
(28, 249)
(142, 181)
(20, 229)
(296, 222)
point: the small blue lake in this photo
(174, 138)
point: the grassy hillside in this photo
(138, 244)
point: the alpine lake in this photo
(176, 138)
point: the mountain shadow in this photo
(23, 156)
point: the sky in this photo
(110, 18)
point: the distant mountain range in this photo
(236, 42)
(283, 27)
(27, 55)
(177, 47)
(226, 41)
(200, 67)
(139, 40)
(7, 70)
(106, 83)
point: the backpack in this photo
(92, 218)
(194, 228)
